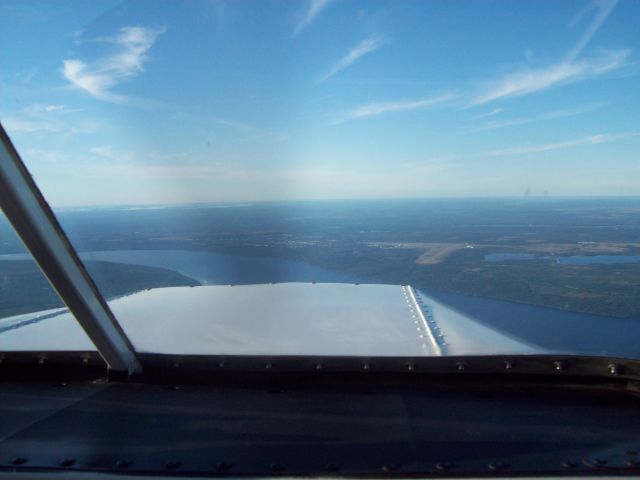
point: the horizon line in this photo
(358, 199)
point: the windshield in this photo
(333, 177)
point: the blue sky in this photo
(170, 102)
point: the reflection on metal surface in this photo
(280, 319)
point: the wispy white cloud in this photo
(588, 140)
(570, 112)
(107, 152)
(603, 9)
(53, 108)
(490, 113)
(46, 118)
(379, 108)
(432, 167)
(241, 126)
(15, 125)
(252, 132)
(534, 80)
(99, 77)
(366, 46)
(32, 155)
(143, 160)
(531, 149)
(39, 109)
(103, 151)
(565, 71)
(313, 9)
(172, 157)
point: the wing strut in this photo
(34, 221)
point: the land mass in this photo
(434, 244)
(24, 288)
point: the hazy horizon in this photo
(530, 197)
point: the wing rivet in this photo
(224, 466)
(615, 369)
(559, 365)
(390, 467)
(596, 463)
(123, 463)
(508, 364)
(461, 366)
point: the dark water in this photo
(214, 268)
(552, 329)
(211, 268)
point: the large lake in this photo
(211, 268)
(548, 328)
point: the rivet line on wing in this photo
(437, 349)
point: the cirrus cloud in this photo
(366, 46)
(100, 76)
(314, 7)
(588, 140)
(528, 81)
(379, 108)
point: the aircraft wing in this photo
(276, 319)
